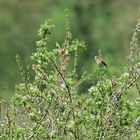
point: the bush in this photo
(49, 106)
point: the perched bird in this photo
(100, 62)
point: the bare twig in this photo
(138, 89)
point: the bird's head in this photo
(97, 57)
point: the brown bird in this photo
(100, 62)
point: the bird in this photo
(100, 62)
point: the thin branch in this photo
(67, 87)
(138, 89)
(39, 122)
(65, 125)
(68, 91)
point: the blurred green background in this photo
(102, 24)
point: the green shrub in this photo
(49, 106)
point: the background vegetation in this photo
(101, 24)
(60, 93)
(48, 106)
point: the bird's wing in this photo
(104, 63)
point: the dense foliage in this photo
(102, 24)
(49, 106)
